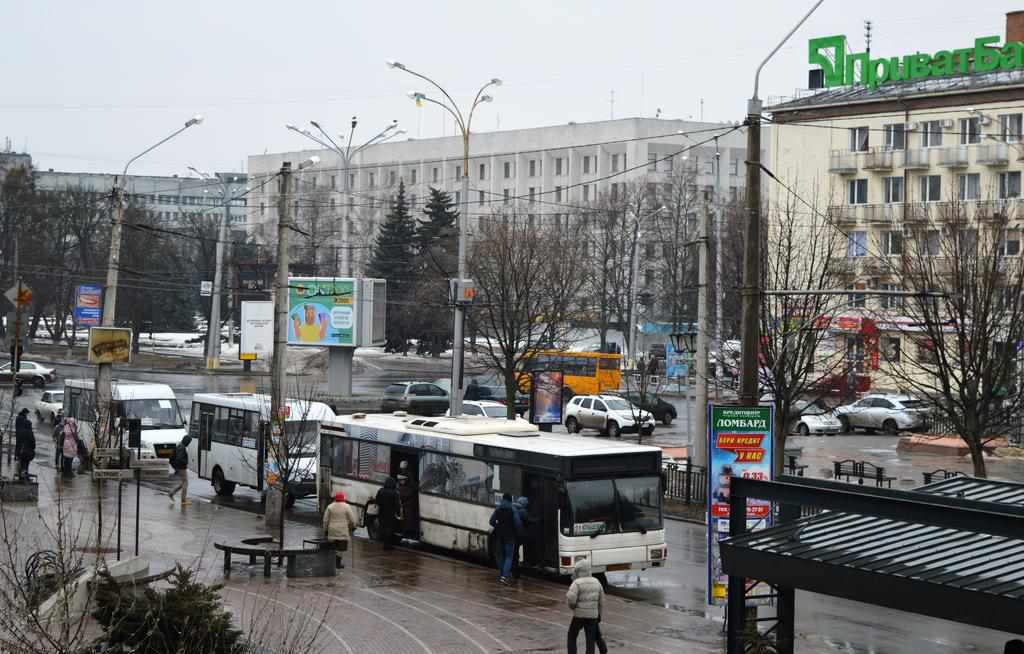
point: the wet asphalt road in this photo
(824, 624)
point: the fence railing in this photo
(686, 483)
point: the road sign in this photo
(206, 289)
(19, 294)
(88, 304)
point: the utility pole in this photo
(105, 371)
(634, 274)
(279, 361)
(458, 340)
(699, 452)
(718, 269)
(213, 344)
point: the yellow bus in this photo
(585, 373)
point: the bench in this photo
(860, 470)
(318, 561)
(791, 467)
(941, 473)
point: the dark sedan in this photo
(662, 411)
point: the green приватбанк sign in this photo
(321, 311)
(840, 68)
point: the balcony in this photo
(842, 162)
(882, 214)
(994, 154)
(843, 214)
(955, 157)
(878, 159)
(919, 159)
(996, 211)
(918, 213)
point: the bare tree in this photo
(529, 280)
(668, 234)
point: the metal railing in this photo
(685, 482)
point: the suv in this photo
(418, 398)
(890, 413)
(663, 412)
(609, 414)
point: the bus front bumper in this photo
(616, 560)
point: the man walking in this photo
(585, 598)
(388, 507)
(24, 443)
(179, 461)
(506, 523)
(340, 521)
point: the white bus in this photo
(228, 443)
(595, 499)
(155, 405)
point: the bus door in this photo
(206, 414)
(541, 547)
(405, 467)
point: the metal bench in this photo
(849, 469)
(318, 561)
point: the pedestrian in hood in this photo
(506, 523)
(388, 506)
(585, 597)
(179, 461)
(523, 533)
(70, 446)
(58, 437)
(340, 520)
(24, 443)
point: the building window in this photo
(392, 177)
(734, 194)
(926, 352)
(968, 241)
(263, 209)
(1010, 127)
(458, 172)
(970, 130)
(734, 167)
(891, 348)
(615, 163)
(930, 243)
(558, 194)
(931, 188)
(533, 167)
(857, 245)
(931, 134)
(1009, 185)
(669, 163)
(1011, 243)
(373, 179)
(558, 166)
(893, 189)
(615, 191)
(508, 169)
(334, 182)
(506, 196)
(895, 136)
(709, 167)
(352, 180)
(586, 165)
(334, 204)
(855, 352)
(891, 301)
(483, 171)
(586, 193)
(857, 191)
(892, 243)
(434, 174)
(412, 176)
(533, 193)
(480, 198)
(859, 139)
(970, 186)
(856, 300)
(652, 163)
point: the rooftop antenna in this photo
(867, 37)
(702, 110)
(611, 104)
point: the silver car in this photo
(889, 413)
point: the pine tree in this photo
(441, 226)
(437, 243)
(394, 259)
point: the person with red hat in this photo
(340, 520)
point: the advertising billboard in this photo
(322, 311)
(546, 397)
(739, 445)
(88, 304)
(110, 345)
(257, 337)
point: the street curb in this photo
(167, 371)
(679, 518)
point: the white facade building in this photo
(547, 172)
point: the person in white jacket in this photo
(340, 520)
(585, 597)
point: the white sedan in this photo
(487, 408)
(48, 405)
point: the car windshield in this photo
(805, 408)
(303, 437)
(496, 411)
(617, 404)
(155, 414)
(606, 506)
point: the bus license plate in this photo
(615, 567)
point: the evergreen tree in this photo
(441, 225)
(394, 259)
(437, 242)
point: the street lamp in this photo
(213, 331)
(346, 153)
(105, 371)
(461, 289)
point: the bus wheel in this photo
(222, 486)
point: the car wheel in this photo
(222, 486)
(803, 429)
(571, 425)
(613, 429)
(890, 427)
(647, 431)
(845, 422)
(39, 382)
(666, 418)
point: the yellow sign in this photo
(110, 345)
(246, 356)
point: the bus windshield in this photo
(155, 414)
(611, 506)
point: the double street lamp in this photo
(346, 153)
(461, 289)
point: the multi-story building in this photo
(546, 172)
(887, 151)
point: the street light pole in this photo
(105, 371)
(460, 288)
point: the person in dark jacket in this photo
(388, 506)
(179, 461)
(524, 545)
(506, 523)
(24, 443)
(58, 437)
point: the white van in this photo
(155, 405)
(228, 446)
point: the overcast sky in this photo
(87, 85)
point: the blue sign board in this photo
(88, 304)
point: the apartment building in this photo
(549, 173)
(887, 159)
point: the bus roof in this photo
(127, 389)
(496, 432)
(300, 409)
(573, 353)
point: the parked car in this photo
(33, 373)
(485, 388)
(890, 413)
(663, 412)
(609, 414)
(813, 418)
(416, 397)
(485, 408)
(48, 405)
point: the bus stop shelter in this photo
(953, 549)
